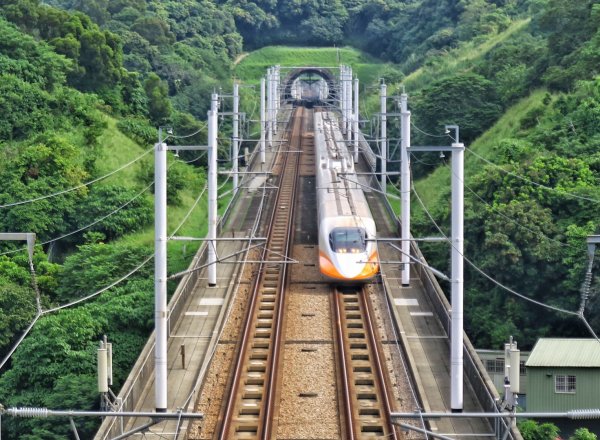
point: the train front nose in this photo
(350, 266)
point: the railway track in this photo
(366, 395)
(329, 380)
(248, 412)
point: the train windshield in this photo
(348, 240)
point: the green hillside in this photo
(253, 66)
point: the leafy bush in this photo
(41, 169)
(532, 430)
(95, 266)
(136, 213)
(139, 130)
(583, 434)
(466, 99)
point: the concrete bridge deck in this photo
(197, 312)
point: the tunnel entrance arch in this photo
(325, 73)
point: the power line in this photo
(95, 222)
(203, 126)
(499, 284)
(510, 219)
(429, 134)
(415, 158)
(37, 199)
(525, 179)
(92, 295)
(101, 219)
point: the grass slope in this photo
(252, 67)
(507, 126)
(460, 58)
(117, 150)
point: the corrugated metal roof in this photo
(565, 352)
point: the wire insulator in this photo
(28, 412)
(580, 414)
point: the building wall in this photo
(542, 396)
(493, 361)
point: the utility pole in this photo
(212, 190)
(270, 106)
(405, 187)
(343, 101)
(160, 273)
(161, 311)
(383, 144)
(457, 279)
(355, 121)
(263, 122)
(348, 106)
(236, 134)
(276, 96)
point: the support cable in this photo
(508, 289)
(430, 134)
(498, 283)
(95, 222)
(585, 288)
(48, 196)
(101, 219)
(510, 219)
(525, 179)
(41, 313)
(204, 125)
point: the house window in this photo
(495, 365)
(565, 384)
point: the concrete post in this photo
(270, 106)
(457, 282)
(405, 187)
(349, 103)
(236, 133)
(343, 101)
(383, 141)
(160, 274)
(263, 122)
(212, 191)
(355, 121)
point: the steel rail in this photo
(344, 376)
(367, 398)
(386, 393)
(252, 317)
(291, 174)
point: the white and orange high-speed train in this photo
(347, 253)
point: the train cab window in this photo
(348, 240)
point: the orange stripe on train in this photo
(328, 269)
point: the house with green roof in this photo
(563, 374)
